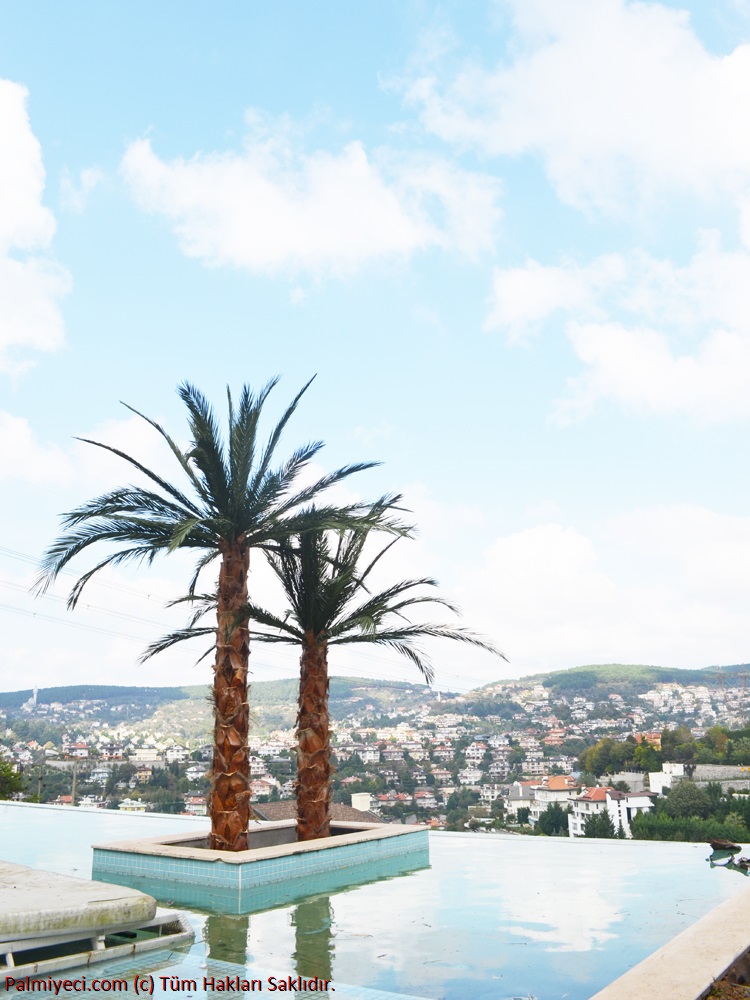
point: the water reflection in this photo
(313, 938)
(723, 854)
(226, 938)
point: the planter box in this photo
(275, 870)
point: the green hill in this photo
(187, 711)
(595, 681)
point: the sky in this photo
(510, 238)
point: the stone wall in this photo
(720, 772)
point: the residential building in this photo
(489, 793)
(425, 798)
(470, 776)
(624, 806)
(520, 796)
(621, 807)
(132, 805)
(554, 788)
(195, 805)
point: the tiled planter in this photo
(182, 871)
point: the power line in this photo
(26, 558)
(122, 588)
(62, 621)
(89, 607)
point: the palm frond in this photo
(311, 493)
(232, 494)
(173, 638)
(322, 586)
(130, 500)
(409, 633)
(174, 448)
(162, 483)
(259, 615)
(207, 452)
(200, 566)
(243, 431)
(275, 437)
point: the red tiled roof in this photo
(595, 794)
(561, 782)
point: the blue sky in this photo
(511, 238)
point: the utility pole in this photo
(75, 779)
(39, 782)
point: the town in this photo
(588, 741)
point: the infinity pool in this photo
(494, 917)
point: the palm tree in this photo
(233, 501)
(330, 604)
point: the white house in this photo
(488, 794)
(554, 788)
(624, 806)
(621, 807)
(132, 805)
(470, 776)
(671, 773)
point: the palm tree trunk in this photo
(314, 744)
(230, 792)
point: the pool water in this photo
(494, 917)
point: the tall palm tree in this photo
(233, 501)
(330, 604)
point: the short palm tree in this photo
(330, 604)
(233, 501)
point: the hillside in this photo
(595, 681)
(110, 694)
(186, 712)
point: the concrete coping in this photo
(188, 846)
(687, 966)
(38, 903)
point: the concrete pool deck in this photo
(41, 904)
(51, 922)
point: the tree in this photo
(599, 825)
(686, 799)
(10, 781)
(233, 500)
(553, 821)
(330, 604)
(677, 744)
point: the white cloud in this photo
(30, 318)
(524, 297)
(616, 97)
(271, 208)
(24, 222)
(667, 585)
(22, 458)
(31, 286)
(74, 195)
(652, 335)
(636, 367)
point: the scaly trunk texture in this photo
(230, 791)
(314, 745)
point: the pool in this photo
(494, 917)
